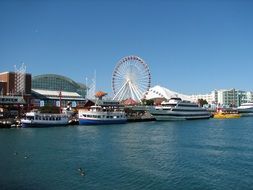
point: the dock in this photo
(9, 123)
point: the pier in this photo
(138, 114)
(9, 123)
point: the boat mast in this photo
(60, 101)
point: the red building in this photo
(15, 92)
(8, 82)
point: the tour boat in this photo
(37, 119)
(178, 109)
(226, 114)
(96, 115)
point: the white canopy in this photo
(161, 92)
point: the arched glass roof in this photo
(58, 83)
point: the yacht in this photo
(246, 109)
(37, 119)
(178, 109)
(96, 115)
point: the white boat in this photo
(246, 109)
(100, 115)
(36, 119)
(177, 109)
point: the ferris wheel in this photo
(131, 79)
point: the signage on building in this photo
(73, 104)
(58, 103)
(42, 103)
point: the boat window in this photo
(189, 110)
(30, 117)
(176, 99)
(107, 116)
(99, 116)
(171, 105)
(188, 105)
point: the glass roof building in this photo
(57, 83)
(50, 88)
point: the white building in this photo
(225, 97)
(232, 97)
(210, 98)
(249, 97)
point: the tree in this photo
(49, 109)
(202, 102)
(147, 102)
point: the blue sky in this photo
(190, 46)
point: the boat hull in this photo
(226, 116)
(101, 122)
(178, 118)
(245, 112)
(38, 125)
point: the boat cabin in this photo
(46, 117)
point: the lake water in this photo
(199, 154)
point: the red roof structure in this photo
(130, 101)
(100, 94)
